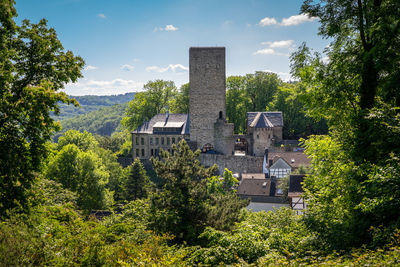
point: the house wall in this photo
(151, 146)
(236, 164)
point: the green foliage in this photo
(180, 208)
(57, 235)
(159, 95)
(91, 103)
(181, 101)
(34, 66)
(103, 121)
(252, 92)
(289, 99)
(259, 234)
(137, 185)
(81, 172)
(84, 141)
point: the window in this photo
(156, 141)
(137, 141)
(142, 152)
(152, 152)
(220, 115)
(258, 136)
(137, 152)
(151, 140)
(142, 141)
(162, 140)
(179, 139)
(173, 140)
(167, 140)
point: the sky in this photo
(126, 43)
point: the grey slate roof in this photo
(264, 119)
(162, 120)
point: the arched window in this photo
(207, 147)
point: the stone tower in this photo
(207, 101)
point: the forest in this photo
(70, 203)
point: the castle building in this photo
(205, 127)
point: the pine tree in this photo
(138, 183)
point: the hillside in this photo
(89, 103)
(103, 121)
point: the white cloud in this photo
(168, 28)
(101, 15)
(127, 67)
(103, 87)
(296, 20)
(279, 44)
(290, 21)
(265, 51)
(267, 21)
(171, 67)
(90, 67)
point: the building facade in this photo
(206, 127)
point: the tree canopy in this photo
(34, 66)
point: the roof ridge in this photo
(254, 122)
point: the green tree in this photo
(236, 102)
(157, 98)
(84, 141)
(83, 173)
(289, 99)
(252, 92)
(180, 207)
(137, 185)
(34, 66)
(181, 103)
(362, 72)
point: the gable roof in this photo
(294, 159)
(161, 120)
(280, 163)
(254, 187)
(264, 119)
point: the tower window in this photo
(162, 140)
(167, 140)
(156, 141)
(137, 141)
(151, 140)
(220, 115)
(142, 152)
(142, 141)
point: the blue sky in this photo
(126, 43)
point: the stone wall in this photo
(207, 94)
(236, 164)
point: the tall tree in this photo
(180, 207)
(34, 66)
(362, 72)
(157, 98)
(357, 92)
(137, 185)
(181, 103)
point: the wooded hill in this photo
(89, 103)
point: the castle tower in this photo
(207, 94)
